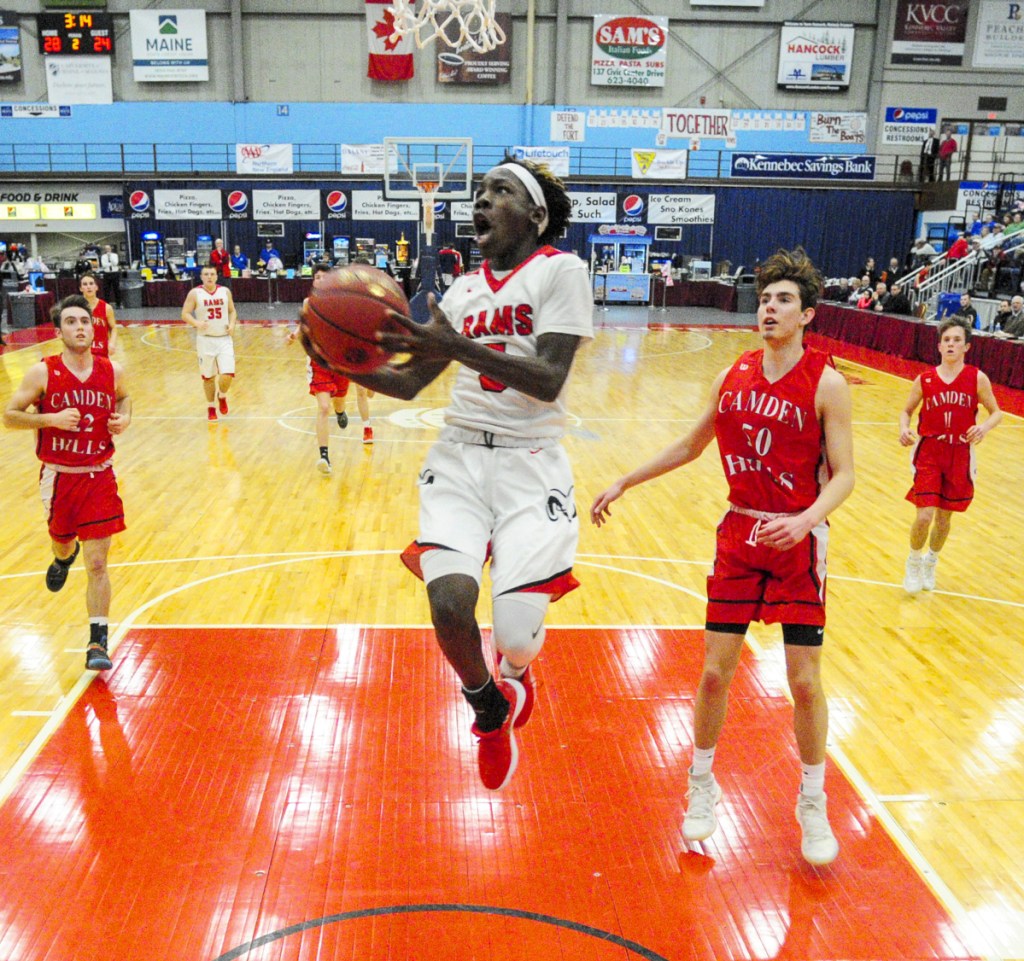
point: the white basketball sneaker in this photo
(699, 822)
(912, 579)
(818, 844)
(928, 563)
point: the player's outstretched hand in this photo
(600, 512)
(434, 340)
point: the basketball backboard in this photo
(446, 161)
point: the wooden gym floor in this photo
(280, 764)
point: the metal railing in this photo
(176, 159)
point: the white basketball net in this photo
(440, 19)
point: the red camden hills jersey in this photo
(100, 329)
(95, 399)
(948, 411)
(769, 437)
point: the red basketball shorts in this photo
(324, 381)
(752, 582)
(943, 475)
(84, 506)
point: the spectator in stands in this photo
(967, 312)
(1015, 225)
(891, 273)
(842, 291)
(866, 301)
(1013, 322)
(238, 260)
(946, 150)
(862, 290)
(929, 154)
(221, 259)
(974, 225)
(921, 254)
(870, 270)
(896, 302)
(1002, 314)
(959, 249)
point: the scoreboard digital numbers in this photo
(76, 33)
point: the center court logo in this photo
(633, 205)
(139, 201)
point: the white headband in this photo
(532, 188)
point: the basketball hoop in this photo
(473, 19)
(428, 188)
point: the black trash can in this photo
(131, 296)
(746, 295)
(23, 310)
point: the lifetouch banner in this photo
(930, 32)
(802, 167)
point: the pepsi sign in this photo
(138, 204)
(237, 205)
(923, 115)
(335, 205)
(632, 208)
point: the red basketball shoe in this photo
(497, 752)
(527, 681)
(223, 404)
(211, 413)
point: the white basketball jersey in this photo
(213, 308)
(548, 293)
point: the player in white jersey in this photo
(497, 484)
(211, 310)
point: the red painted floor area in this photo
(309, 794)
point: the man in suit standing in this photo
(929, 154)
(110, 267)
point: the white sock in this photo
(702, 761)
(812, 779)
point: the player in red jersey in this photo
(77, 402)
(943, 457)
(330, 389)
(105, 334)
(781, 416)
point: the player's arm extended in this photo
(913, 401)
(119, 421)
(17, 414)
(687, 448)
(988, 400)
(112, 324)
(541, 377)
(187, 310)
(232, 314)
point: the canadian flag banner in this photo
(389, 59)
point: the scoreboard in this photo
(76, 33)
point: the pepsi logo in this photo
(238, 201)
(336, 201)
(139, 201)
(897, 114)
(439, 206)
(633, 205)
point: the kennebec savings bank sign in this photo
(801, 166)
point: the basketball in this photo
(346, 311)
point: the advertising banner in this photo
(10, 48)
(78, 80)
(803, 167)
(838, 127)
(998, 35)
(815, 56)
(629, 51)
(904, 126)
(930, 32)
(286, 204)
(462, 210)
(238, 204)
(658, 164)
(557, 158)
(334, 205)
(681, 209)
(263, 158)
(595, 208)
(569, 125)
(38, 111)
(371, 205)
(696, 122)
(23, 205)
(169, 46)
(182, 204)
(981, 195)
(365, 158)
(465, 66)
